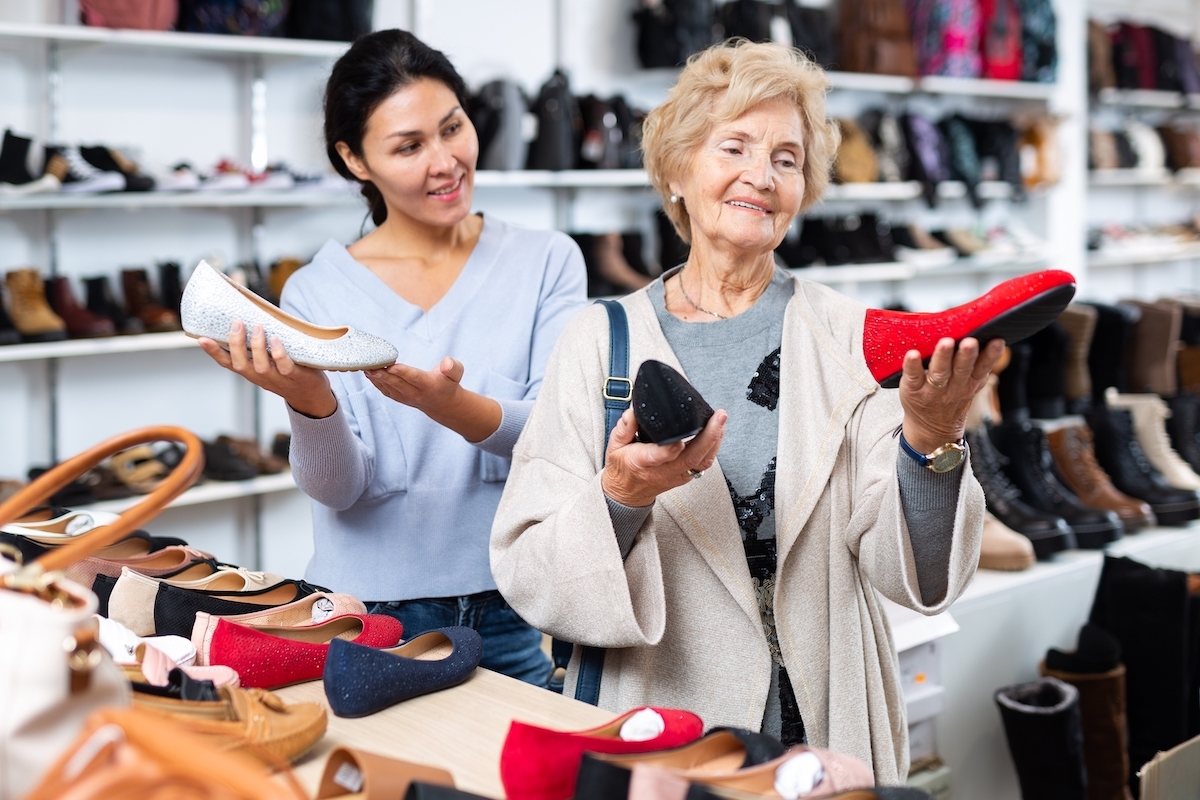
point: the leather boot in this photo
(280, 271)
(1110, 342)
(1151, 358)
(1048, 533)
(8, 332)
(1045, 737)
(1079, 321)
(170, 285)
(1182, 427)
(31, 314)
(81, 323)
(1012, 390)
(1119, 454)
(1045, 387)
(141, 303)
(1029, 468)
(1075, 464)
(1149, 413)
(1188, 359)
(100, 301)
(1003, 548)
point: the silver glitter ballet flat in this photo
(211, 303)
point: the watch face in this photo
(946, 458)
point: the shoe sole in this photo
(1013, 563)
(1018, 323)
(1170, 514)
(1096, 540)
(1046, 546)
(225, 346)
(37, 338)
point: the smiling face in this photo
(746, 180)
(420, 150)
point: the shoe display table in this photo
(460, 730)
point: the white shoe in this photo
(211, 303)
(1150, 413)
(122, 643)
(69, 525)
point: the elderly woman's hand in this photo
(936, 400)
(636, 473)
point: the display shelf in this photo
(1129, 177)
(985, 87)
(868, 82)
(170, 40)
(565, 179)
(902, 271)
(911, 190)
(262, 198)
(209, 492)
(1140, 98)
(1130, 257)
(70, 348)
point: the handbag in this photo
(237, 17)
(618, 393)
(143, 15)
(559, 125)
(330, 20)
(53, 670)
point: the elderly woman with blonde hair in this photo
(746, 590)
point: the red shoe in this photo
(541, 764)
(269, 658)
(1012, 311)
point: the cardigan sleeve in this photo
(554, 553)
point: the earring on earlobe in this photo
(674, 197)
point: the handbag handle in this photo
(84, 545)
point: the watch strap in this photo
(912, 452)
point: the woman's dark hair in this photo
(371, 71)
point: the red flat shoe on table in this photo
(1012, 311)
(541, 764)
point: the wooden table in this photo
(460, 730)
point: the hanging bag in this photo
(53, 671)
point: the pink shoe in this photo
(310, 610)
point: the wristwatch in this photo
(944, 459)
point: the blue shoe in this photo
(361, 680)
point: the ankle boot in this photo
(141, 303)
(170, 285)
(1079, 321)
(1028, 467)
(31, 314)
(1188, 360)
(1002, 548)
(1149, 413)
(1075, 465)
(1148, 611)
(81, 323)
(1045, 737)
(1110, 342)
(8, 332)
(1119, 455)
(1150, 359)
(100, 301)
(1048, 533)
(1044, 384)
(1012, 390)
(1182, 427)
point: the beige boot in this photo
(1003, 548)
(31, 313)
(1150, 412)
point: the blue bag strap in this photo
(618, 393)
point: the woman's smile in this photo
(448, 193)
(748, 204)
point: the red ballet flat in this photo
(272, 657)
(541, 764)
(1012, 311)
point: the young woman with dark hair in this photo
(406, 465)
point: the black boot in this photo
(1045, 386)
(100, 301)
(1012, 387)
(1045, 738)
(8, 332)
(1110, 343)
(1147, 610)
(1122, 458)
(1030, 468)
(14, 160)
(1049, 533)
(170, 285)
(1182, 427)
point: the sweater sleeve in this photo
(928, 499)
(563, 294)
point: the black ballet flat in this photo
(668, 408)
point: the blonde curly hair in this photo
(722, 83)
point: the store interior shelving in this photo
(209, 492)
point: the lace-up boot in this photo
(1150, 360)
(1119, 454)
(1048, 533)
(31, 314)
(1149, 413)
(1075, 465)
(1029, 468)
(1079, 321)
(1181, 427)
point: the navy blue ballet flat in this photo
(362, 680)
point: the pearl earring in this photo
(674, 197)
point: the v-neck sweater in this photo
(402, 506)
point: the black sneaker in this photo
(79, 176)
(22, 167)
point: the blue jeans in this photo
(510, 645)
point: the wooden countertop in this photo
(461, 729)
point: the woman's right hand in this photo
(636, 473)
(305, 389)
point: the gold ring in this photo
(695, 473)
(935, 384)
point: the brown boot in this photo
(1075, 462)
(1102, 714)
(31, 314)
(1080, 323)
(1151, 356)
(81, 323)
(141, 303)
(281, 270)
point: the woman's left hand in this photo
(439, 394)
(936, 400)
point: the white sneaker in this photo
(1150, 413)
(211, 303)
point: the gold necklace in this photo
(692, 302)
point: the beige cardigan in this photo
(679, 615)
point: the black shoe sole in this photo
(1096, 540)
(1171, 514)
(1046, 546)
(37, 338)
(1016, 324)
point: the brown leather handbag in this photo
(875, 36)
(856, 159)
(53, 671)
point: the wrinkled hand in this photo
(635, 473)
(305, 389)
(936, 400)
(427, 391)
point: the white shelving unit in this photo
(209, 492)
(171, 40)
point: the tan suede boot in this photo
(1003, 548)
(31, 313)
(1080, 323)
(1150, 412)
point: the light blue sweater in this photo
(402, 506)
